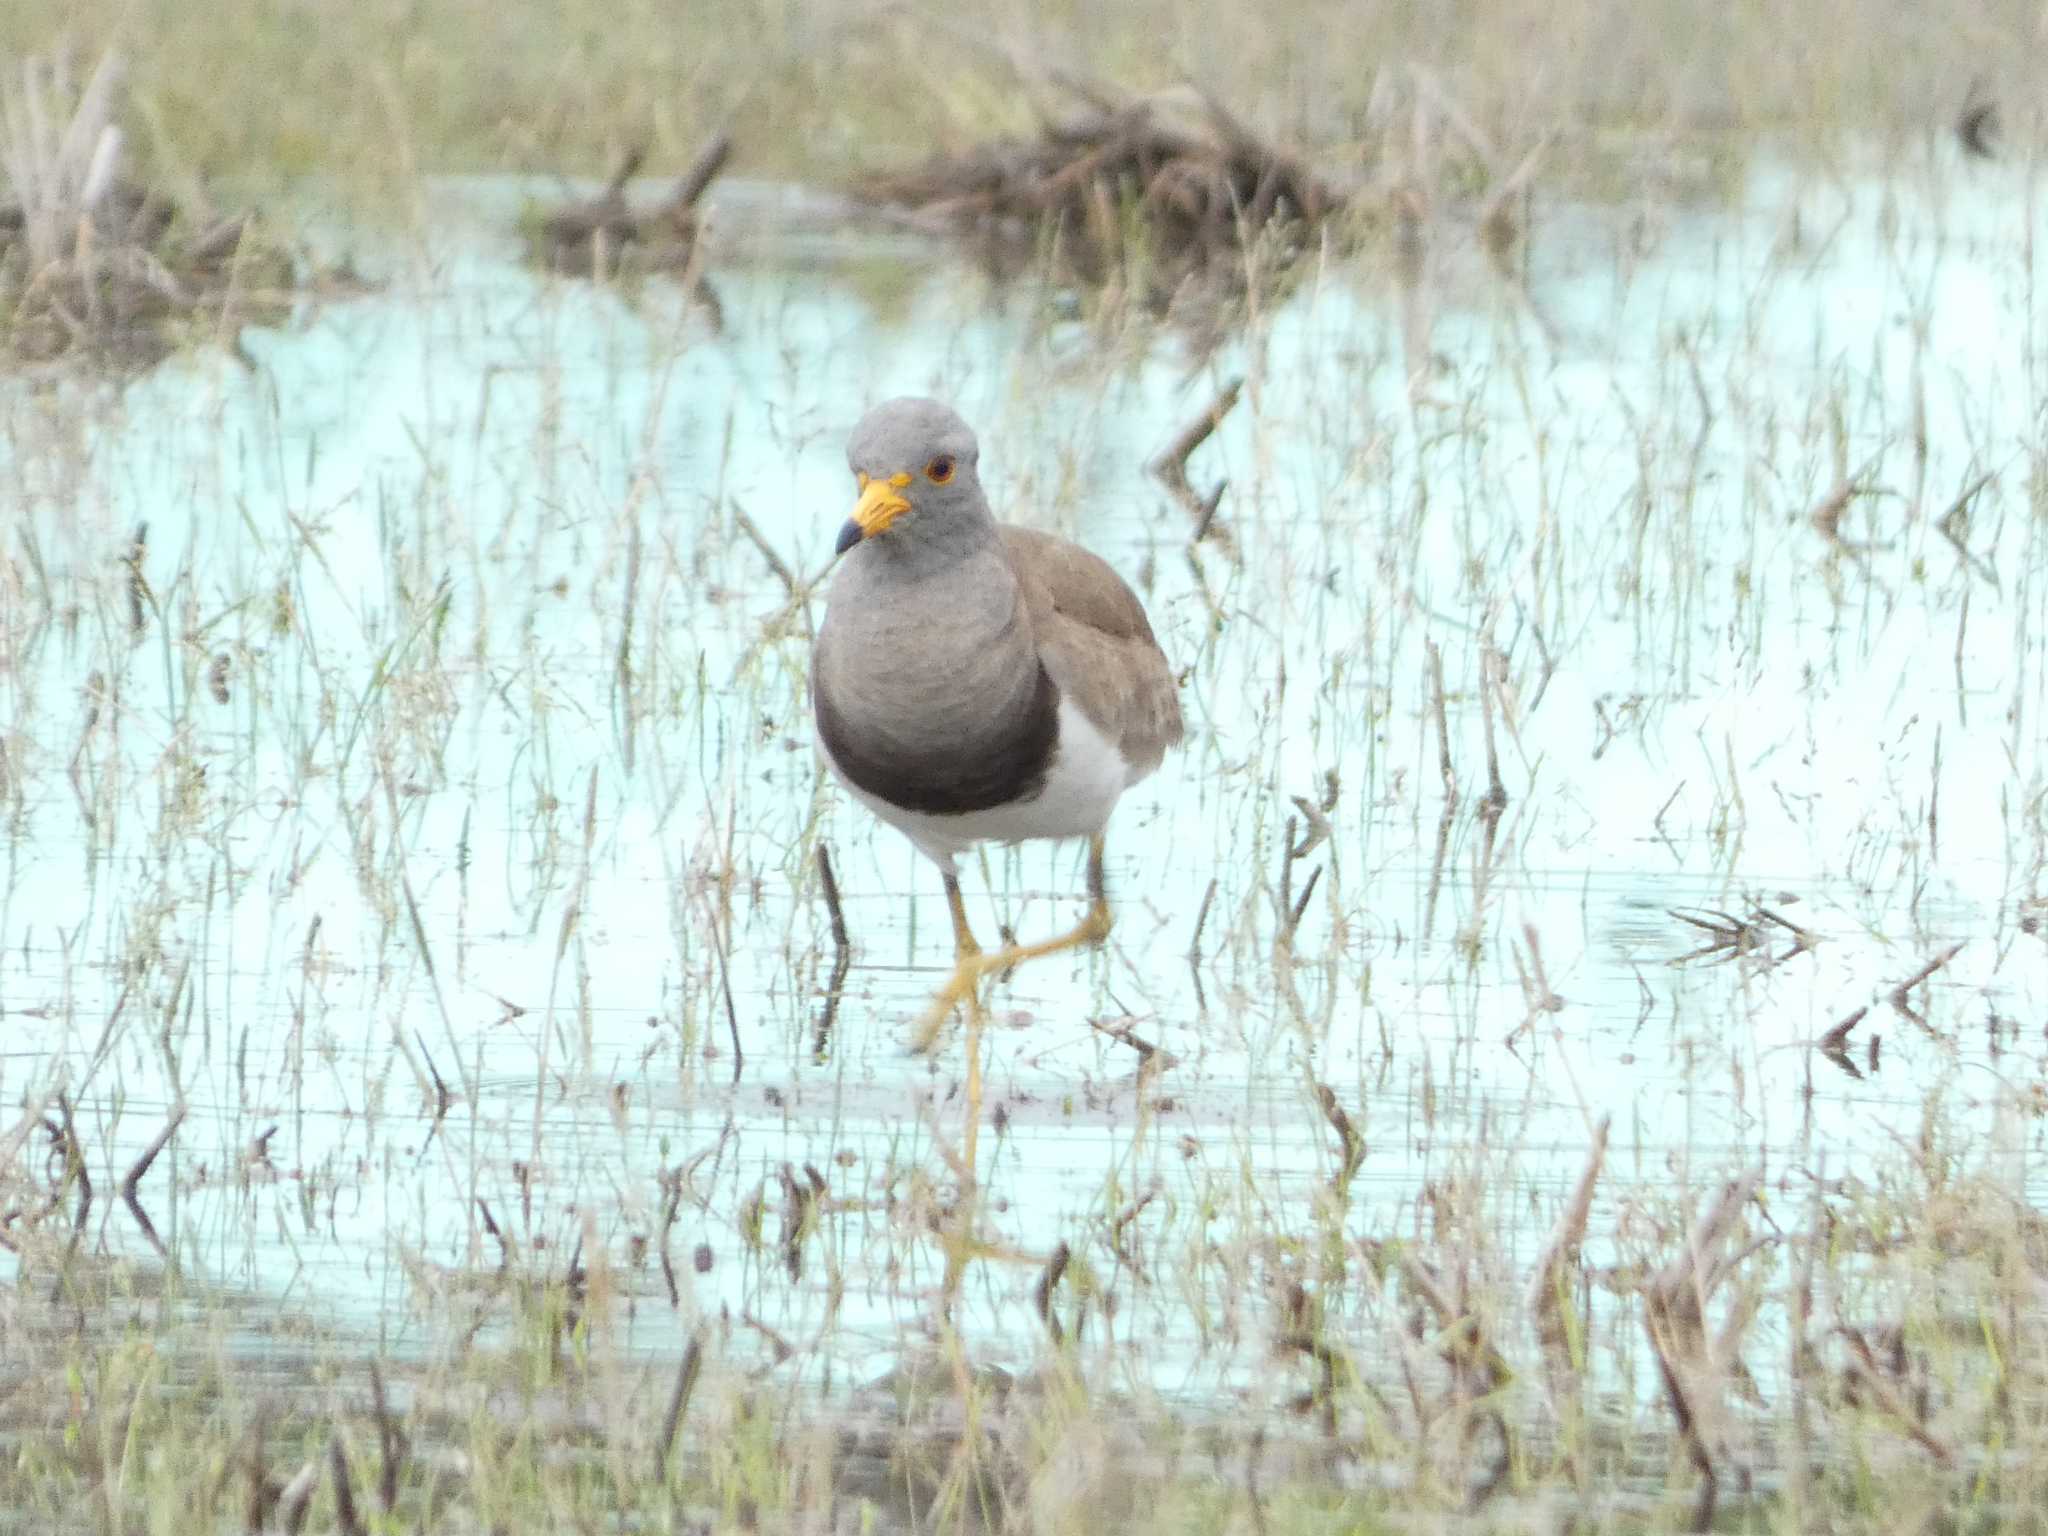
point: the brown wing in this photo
(1097, 645)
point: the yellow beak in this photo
(881, 503)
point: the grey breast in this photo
(928, 690)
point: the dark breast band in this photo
(974, 773)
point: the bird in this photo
(975, 681)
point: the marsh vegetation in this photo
(1571, 1053)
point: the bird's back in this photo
(1097, 645)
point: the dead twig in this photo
(346, 1520)
(1954, 526)
(1149, 1054)
(139, 596)
(1492, 666)
(1315, 819)
(1351, 1145)
(828, 882)
(1300, 906)
(783, 574)
(392, 1443)
(297, 1498)
(1537, 993)
(491, 1226)
(678, 1403)
(1194, 956)
(671, 1182)
(1695, 1368)
(802, 1200)
(1124, 1218)
(1048, 1280)
(1747, 938)
(842, 954)
(1443, 728)
(1828, 512)
(1900, 995)
(1170, 466)
(1977, 123)
(1834, 1045)
(130, 1186)
(691, 186)
(1478, 1369)
(1872, 1377)
(1551, 1303)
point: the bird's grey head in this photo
(915, 463)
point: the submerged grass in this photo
(442, 1103)
(1878, 1366)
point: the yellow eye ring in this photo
(940, 470)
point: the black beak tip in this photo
(848, 537)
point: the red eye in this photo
(940, 470)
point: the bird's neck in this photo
(907, 634)
(954, 547)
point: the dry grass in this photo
(374, 94)
(93, 261)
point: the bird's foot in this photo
(970, 964)
(1092, 930)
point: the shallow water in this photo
(512, 785)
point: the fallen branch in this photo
(1152, 189)
(597, 236)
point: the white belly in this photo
(1081, 789)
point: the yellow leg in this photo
(971, 963)
(963, 936)
(1092, 929)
